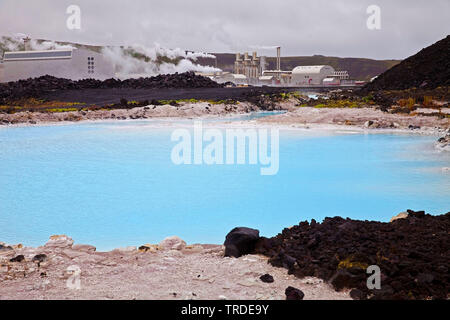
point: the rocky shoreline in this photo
(184, 110)
(327, 260)
(169, 270)
(366, 118)
(360, 119)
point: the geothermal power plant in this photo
(251, 70)
(79, 63)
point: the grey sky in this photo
(333, 27)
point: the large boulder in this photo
(266, 278)
(240, 241)
(172, 243)
(401, 215)
(59, 241)
(294, 294)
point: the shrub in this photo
(428, 101)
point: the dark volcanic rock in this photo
(144, 248)
(5, 248)
(39, 258)
(429, 68)
(240, 241)
(413, 254)
(345, 279)
(357, 294)
(267, 278)
(294, 294)
(18, 258)
(36, 87)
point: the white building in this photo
(72, 64)
(310, 75)
(267, 80)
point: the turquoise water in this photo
(113, 184)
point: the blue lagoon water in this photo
(114, 184)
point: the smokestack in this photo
(26, 42)
(262, 63)
(278, 58)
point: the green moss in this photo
(339, 104)
(348, 263)
(61, 110)
(368, 99)
(228, 101)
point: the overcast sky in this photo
(334, 27)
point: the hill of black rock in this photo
(428, 69)
(36, 87)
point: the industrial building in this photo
(79, 63)
(71, 63)
(253, 68)
(310, 75)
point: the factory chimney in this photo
(26, 42)
(278, 58)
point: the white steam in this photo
(48, 45)
(16, 43)
(263, 47)
(129, 62)
(139, 61)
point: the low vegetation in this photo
(36, 105)
(340, 104)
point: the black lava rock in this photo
(345, 279)
(36, 87)
(412, 254)
(240, 241)
(267, 278)
(18, 258)
(357, 294)
(144, 248)
(429, 68)
(39, 258)
(294, 294)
